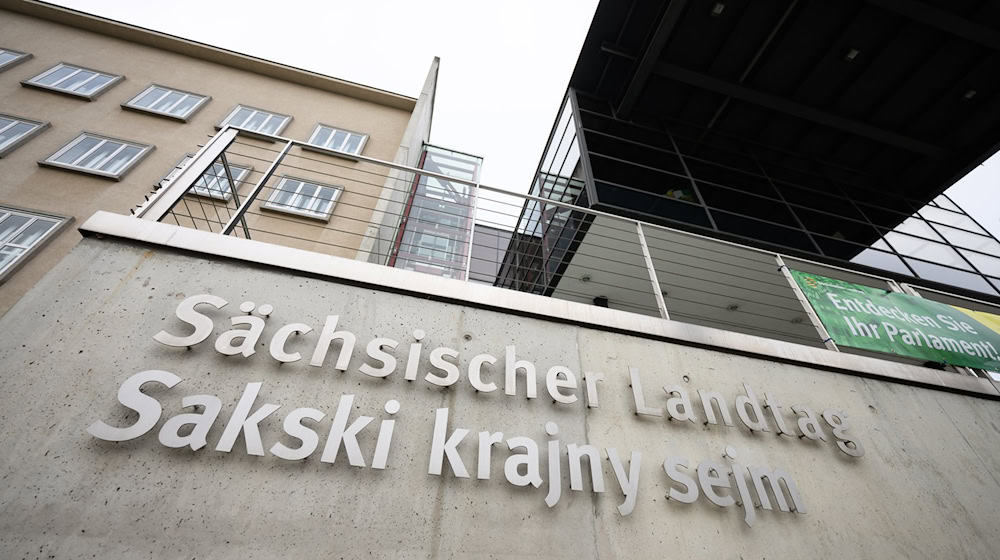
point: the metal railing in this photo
(286, 192)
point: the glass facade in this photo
(545, 233)
(437, 221)
(702, 180)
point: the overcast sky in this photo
(504, 64)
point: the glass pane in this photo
(168, 101)
(239, 173)
(324, 200)
(239, 117)
(11, 224)
(96, 158)
(924, 249)
(322, 136)
(283, 194)
(881, 244)
(55, 76)
(94, 85)
(5, 122)
(121, 159)
(969, 240)
(34, 232)
(6, 56)
(151, 96)
(916, 226)
(255, 121)
(7, 256)
(950, 276)
(272, 125)
(884, 261)
(13, 133)
(949, 218)
(305, 200)
(943, 202)
(985, 263)
(75, 80)
(186, 105)
(338, 140)
(353, 143)
(78, 149)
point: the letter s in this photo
(129, 395)
(202, 323)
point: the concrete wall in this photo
(926, 487)
(30, 186)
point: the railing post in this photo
(231, 224)
(806, 306)
(232, 191)
(657, 292)
(164, 200)
(472, 231)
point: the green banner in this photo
(886, 321)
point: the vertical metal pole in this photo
(657, 292)
(472, 231)
(232, 190)
(806, 306)
(231, 224)
(908, 290)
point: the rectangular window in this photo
(99, 155)
(74, 80)
(338, 139)
(256, 120)
(9, 58)
(304, 198)
(15, 131)
(166, 101)
(21, 232)
(213, 183)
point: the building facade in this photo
(739, 121)
(109, 112)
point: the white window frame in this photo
(333, 130)
(265, 135)
(30, 250)
(238, 170)
(21, 57)
(297, 209)
(39, 126)
(132, 104)
(33, 81)
(144, 151)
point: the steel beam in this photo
(942, 20)
(781, 104)
(647, 63)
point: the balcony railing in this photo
(287, 192)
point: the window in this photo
(213, 183)
(9, 58)
(15, 131)
(22, 232)
(73, 80)
(256, 120)
(296, 196)
(100, 155)
(338, 139)
(166, 101)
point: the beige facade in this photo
(53, 35)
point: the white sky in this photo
(504, 65)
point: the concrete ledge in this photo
(519, 303)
